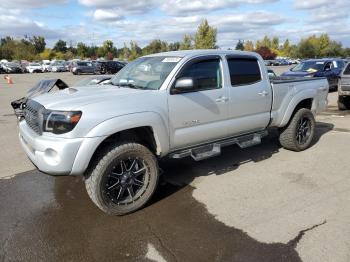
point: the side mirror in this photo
(183, 85)
(327, 69)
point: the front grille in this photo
(32, 117)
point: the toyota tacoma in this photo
(175, 104)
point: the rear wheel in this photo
(299, 133)
(124, 179)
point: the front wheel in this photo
(299, 133)
(123, 179)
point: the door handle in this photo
(221, 99)
(323, 88)
(263, 93)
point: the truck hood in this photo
(77, 97)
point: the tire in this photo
(111, 181)
(343, 103)
(296, 138)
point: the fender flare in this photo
(303, 95)
(117, 124)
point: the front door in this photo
(199, 116)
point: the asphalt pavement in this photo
(262, 203)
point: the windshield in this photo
(146, 72)
(309, 66)
(34, 64)
(12, 64)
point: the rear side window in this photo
(205, 73)
(347, 70)
(243, 71)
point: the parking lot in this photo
(262, 203)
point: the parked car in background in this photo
(283, 62)
(272, 62)
(45, 65)
(329, 68)
(82, 67)
(11, 68)
(57, 66)
(109, 67)
(344, 89)
(34, 68)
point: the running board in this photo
(214, 149)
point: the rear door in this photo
(200, 115)
(250, 95)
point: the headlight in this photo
(60, 122)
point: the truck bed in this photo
(287, 92)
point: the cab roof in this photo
(197, 52)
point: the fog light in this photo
(51, 156)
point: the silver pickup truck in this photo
(174, 104)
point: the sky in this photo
(94, 21)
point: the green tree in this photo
(82, 50)
(306, 49)
(107, 50)
(286, 48)
(266, 42)
(205, 37)
(135, 51)
(248, 46)
(92, 52)
(156, 46)
(240, 45)
(174, 46)
(60, 46)
(187, 43)
(125, 53)
(333, 49)
(275, 43)
(39, 43)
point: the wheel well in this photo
(306, 103)
(142, 135)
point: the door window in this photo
(244, 71)
(206, 74)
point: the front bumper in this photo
(51, 155)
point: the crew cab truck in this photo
(175, 104)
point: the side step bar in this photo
(214, 149)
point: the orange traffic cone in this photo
(9, 80)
